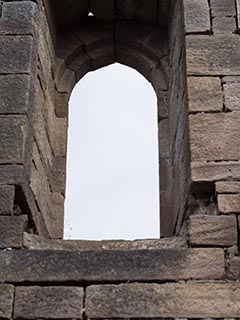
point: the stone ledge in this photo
(36, 266)
(171, 300)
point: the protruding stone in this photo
(170, 300)
(217, 231)
(229, 203)
(48, 302)
(205, 94)
(197, 16)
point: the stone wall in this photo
(189, 51)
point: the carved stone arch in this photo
(146, 47)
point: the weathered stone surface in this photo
(222, 25)
(205, 94)
(228, 187)
(215, 171)
(57, 216)
(48, 302)
(213, 136)
(13, 132)
(11, 231)
(232, 93)
(6, 301)
(229, 203)
(103, 10)
(238, 13)
(19, 17)
(15, 54)
(6, 200)
(197, 16)
(14, 93)
(207, 230)
(111, 265)
(171, 300)
(233, 272)
(223, 8)
(35, 242)
(213, 55)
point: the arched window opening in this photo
(112, 162)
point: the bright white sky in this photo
(112, 175)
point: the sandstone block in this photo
(233, 272)
(207, 230)
(197, 16)
(205, 94)
(228, 187)
(224, 25)
(215, 171)
(213, 55)
(14, 92)
(213, 136)
(19, 17)
(232, 93)
(238, 13)
(223, 8)
(111, 265)
(15, 54)
(229, 203)
(57, 216)
(13, 138)
(6, 301)
(48, 302)
(7, 194)
(11, 231)
(170, 300)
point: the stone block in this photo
(223, 8)
(11, 231)
(238, 14)
(213, 136)
(213, 55)
(205, 94)
(163, 138)
(228, 187)
(16, 54)
(224, 25)
(6, 301)
(197, 16)
(217, 231)
(233, 272)
(170, 300)
(19, 17)
(232, 93)
(7, 194)
(229, 203)
(14, 92)
(57, 216)
(93, 266)
(48, 302)
(215, 171)
(13, 138)
(58, 175)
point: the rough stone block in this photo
(19, 17)
(229, 203)
(16, 54)
(170, 300)
(228, 187)
(215, 171)
(222, 25)
(223, 8)
(13, 137)
(238, 14)
(213, 55)
(11, 231)
(6, 301)
(205, 94)
(111, 265)
(197, 16)
(233, 272)
(57, 216)
(213, 136)
(14, 93)
(232, 93)
(7, 194)
(207, 230)
(48, 302)
(164, 143)
(58, 175)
